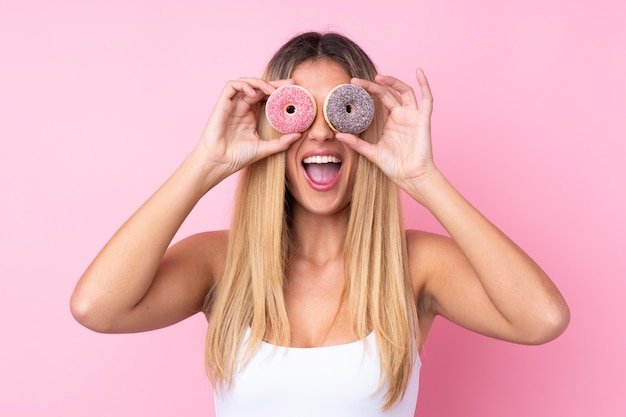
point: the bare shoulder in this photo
(427, 251)
(189, 269)
(180, 284)
(429, 256)
(205, 251)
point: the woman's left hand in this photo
(404, 150)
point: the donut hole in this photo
(350, 108)
(290, 109)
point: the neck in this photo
(320, 238)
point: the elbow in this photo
(85, 311)
(560, 321)
(552, 323)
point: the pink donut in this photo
(290, 109)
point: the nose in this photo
(320, 131)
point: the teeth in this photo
(319, 159)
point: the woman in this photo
(315, 282)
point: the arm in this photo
(477, 278)
(132, 285)
(136, 283)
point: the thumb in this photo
(357, 144)
(271, 147)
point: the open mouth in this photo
(322, 170)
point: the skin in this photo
(477, 277)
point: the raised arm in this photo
(136, 283)
(477, 278)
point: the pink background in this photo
(100, 101)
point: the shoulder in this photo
(430, 256)
(205, 250)
(213, 240)
(196, 260)
(427, 250)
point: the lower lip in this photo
(323, 187)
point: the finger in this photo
(405, 91)
(280, 83)
(423, 83)
(234, 89)
(267, 87)
(250, 90)
(270, 147)
(427, 96)
(388, 97)
(259, 84)
(357, 144)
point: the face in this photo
(320, 169)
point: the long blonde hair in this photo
(249, 294)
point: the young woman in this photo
(317, 299)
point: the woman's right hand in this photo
(230, 140)
(137, 282)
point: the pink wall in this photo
(99, 101)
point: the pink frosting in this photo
(290, 109)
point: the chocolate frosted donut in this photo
(348, 108)
(290, 109)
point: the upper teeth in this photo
(321, 159)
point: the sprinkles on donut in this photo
(290, 109)
(348, 108)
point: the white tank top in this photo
(330, 381)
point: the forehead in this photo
(321, 74)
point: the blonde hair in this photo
(378, 291)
